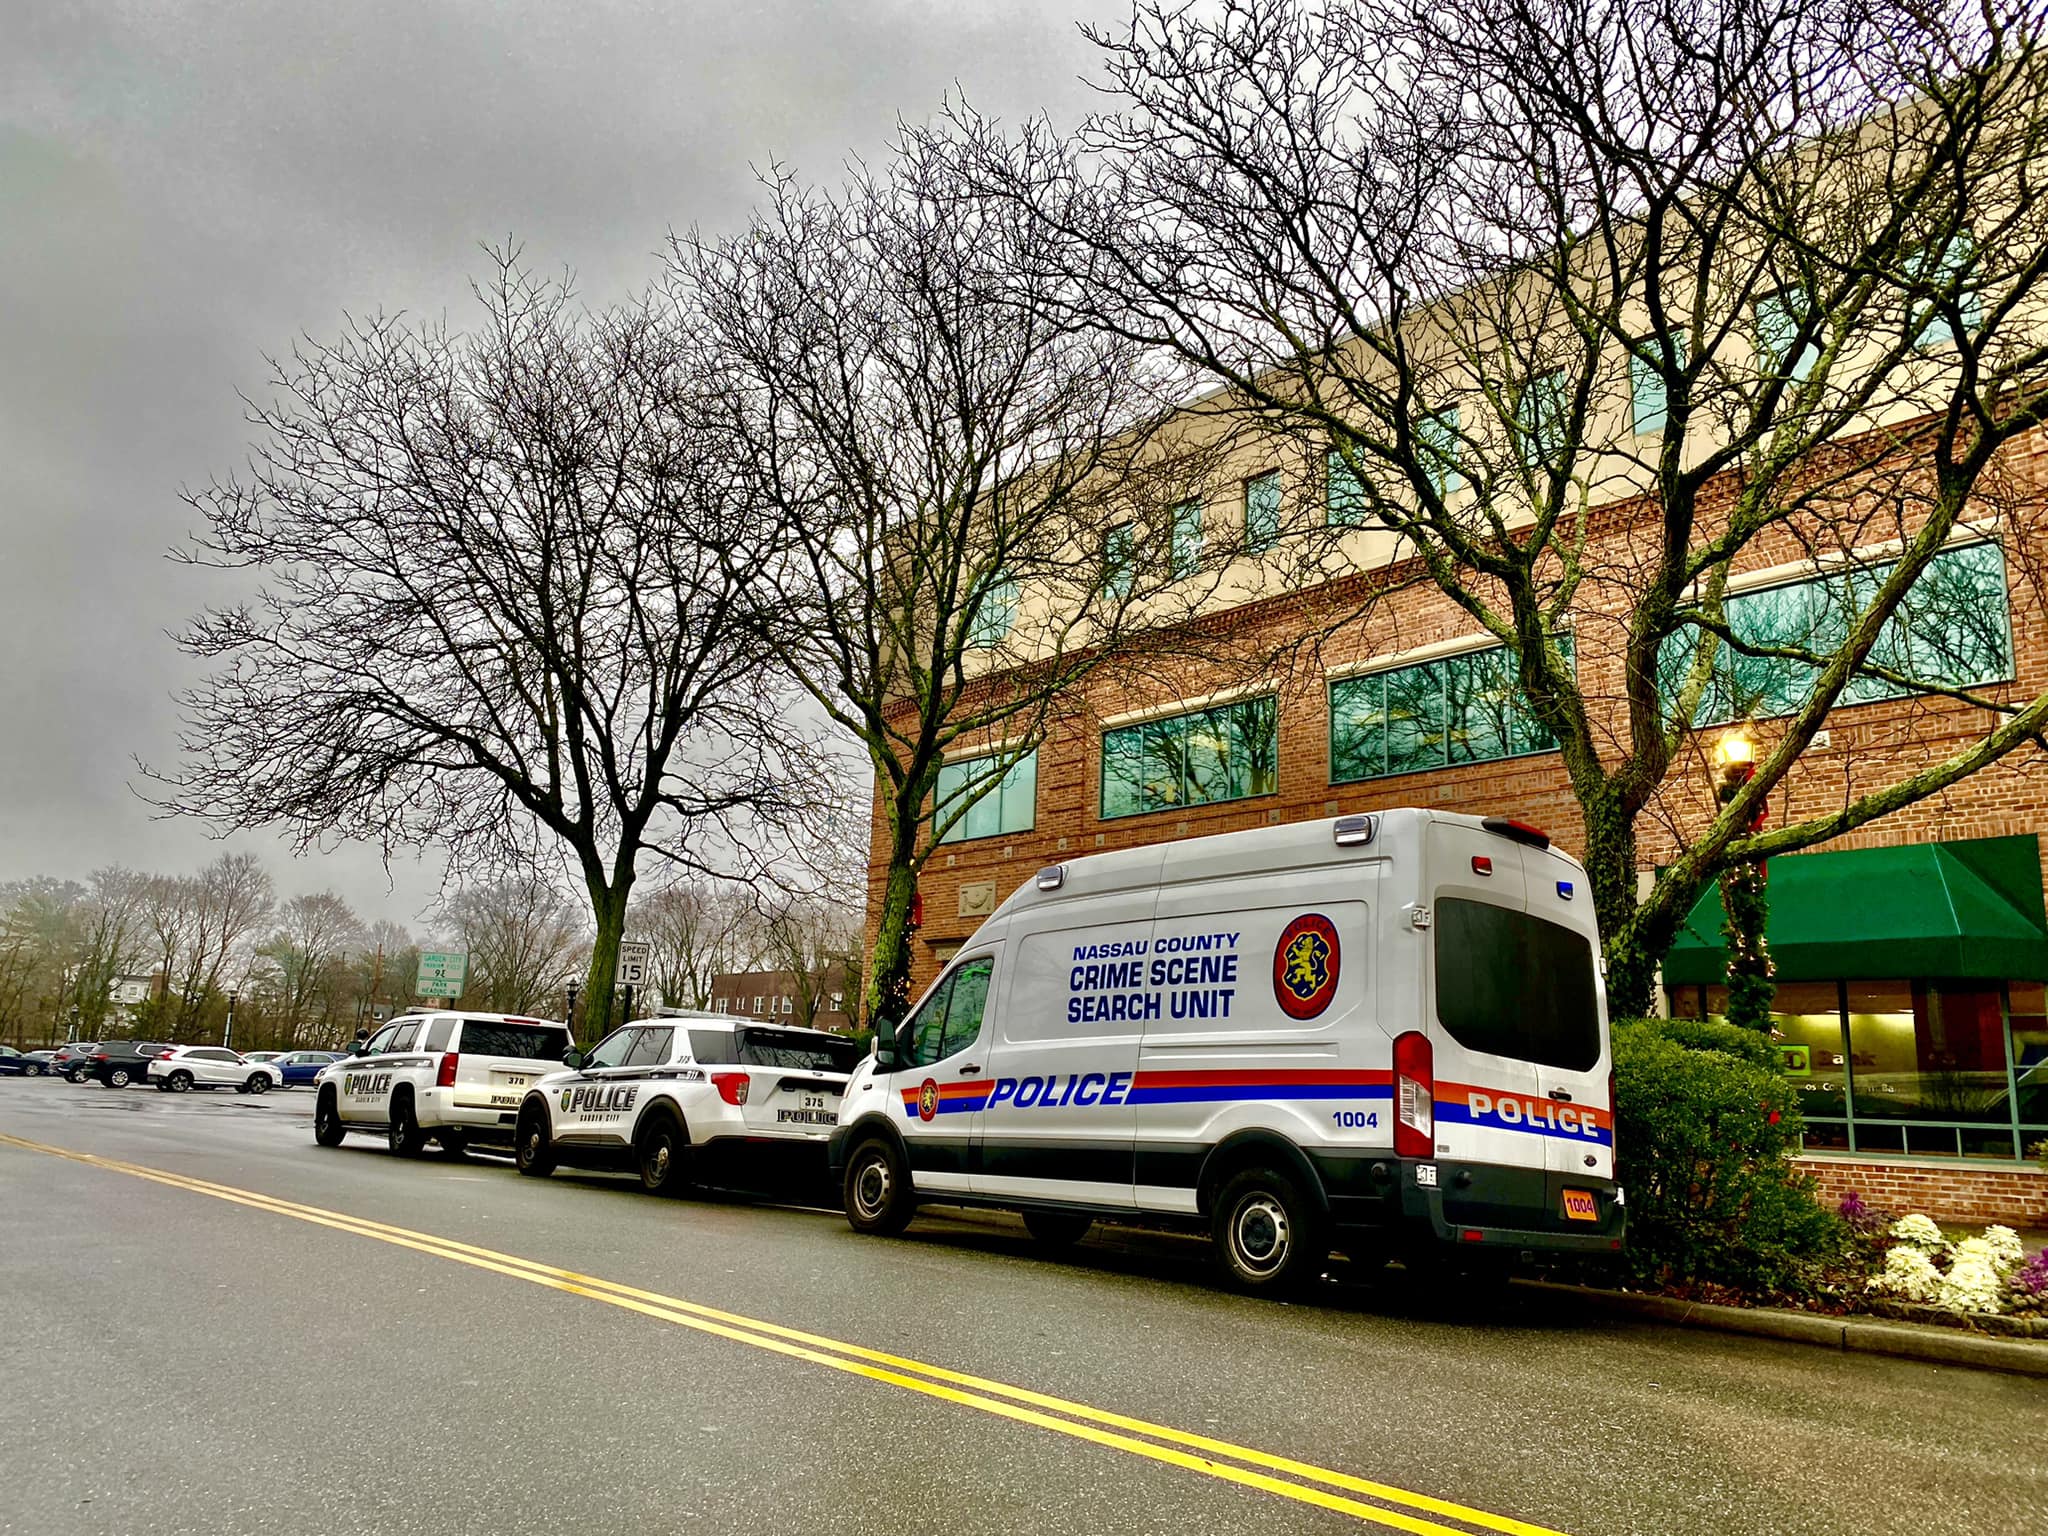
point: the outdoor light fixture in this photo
(1734, 762)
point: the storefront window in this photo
(1912, 1068)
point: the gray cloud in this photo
(184, 187)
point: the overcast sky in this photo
(185, 186)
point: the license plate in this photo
(1579, 1205)
(514, 1080)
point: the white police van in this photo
(1381, 1033)
(693, 1098)
(456, 1077)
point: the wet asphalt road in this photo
(233, 1360)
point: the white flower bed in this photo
(1977, 1266)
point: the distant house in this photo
(819, 1002)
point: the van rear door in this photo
(1575, 1073)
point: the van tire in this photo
(878, 1198)
(1269, 1235)
(661, 1152)
(1057, 1229)
(533, 1153)
(405, 1135)
(328, 1130)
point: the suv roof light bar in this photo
(1519, 831)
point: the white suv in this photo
(694, 1098)
(185, 1067)
(455, 1077)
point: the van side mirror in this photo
(573, 1059)
(889, 1044)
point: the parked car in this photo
(694, 1099)
(261, 1055)
(301, 1067)
(454, 1077)
(117, 1063)
(182, 1068)
(15, 1063)
(45, 1060)
(73, 1059)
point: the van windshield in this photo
(1512, 984)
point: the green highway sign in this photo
(442, 975)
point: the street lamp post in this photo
(1745, 905)
(227, 1034)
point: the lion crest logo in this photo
(1305, 963)
(927, 1100)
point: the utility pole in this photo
(227, 1034)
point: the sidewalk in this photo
(1912, 1341)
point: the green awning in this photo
(1966, 910)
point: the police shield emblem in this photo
(1305, 964)
(927, 1100)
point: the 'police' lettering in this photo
(1085, 1095)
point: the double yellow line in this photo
(1283, 1476)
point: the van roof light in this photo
(1520, 831)
(1051, 879)
(1352, 831)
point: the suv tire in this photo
(328, 1130)
(878, 1197)
(533, 1153)
(259, 1082)
(179, 1082)
(119, 1077)
(405, 1135)
(661, 1148)
(1269, 1235)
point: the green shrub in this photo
(1705, 1127)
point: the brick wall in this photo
(2017, 1197)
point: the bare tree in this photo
(1601, 303)
(964, 482)
(312, 935)
(503, 603)
(526, 942)
(697, 930)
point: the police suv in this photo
(1382, 1033)
(453, 1077)
(696, 1098)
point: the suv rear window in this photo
(802, 1053)
(1512, 984)
(534, 1042)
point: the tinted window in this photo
(652, 1048)
(802, 1053)
(1511, 984)
(532, 1042)
(437, 1035)
(216, 1055)
(712, 1045)
(403, 1040)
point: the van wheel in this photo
(406, 1137)
(1057, 1229)
(533, 1152)
(661, 1149)
(327, 1127)
(878, 1198)
(1268, 1233)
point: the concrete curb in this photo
(1941, 1345)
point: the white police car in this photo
(699, 1098)
(455, 1077)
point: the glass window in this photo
(1228, 752)
(1646, 380)
(1511, 984)
(997, 611)
(966, 1006)
(1947, 272)
(1010, 804)
(719, 1006)
(1953, 629)
(1806, 1023)
(1262, 511)
(1927, 1052)
(1778, 319)
(381, 1041)
(928, 1026)
(712, 1046)
(1119, 552)
(437, 1035)
(522, 1042)
(1185, 551)
(1437, 441)
(1540, 415)
(403, 1040)
(652, 1048)
(2027, 1010)
(769, 1047)
(1343, 496)
(1459, 709)
(614, 1048)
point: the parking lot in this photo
(216, 1325)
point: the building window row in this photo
(1433, 714)
(1226, 752)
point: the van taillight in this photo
(731, 1086)
(445, 1078)
(1414, 1097)
(1613, 1116)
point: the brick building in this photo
(817, 1001)
(1912, 952)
